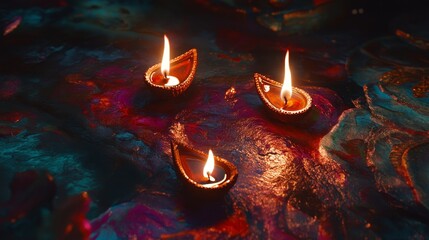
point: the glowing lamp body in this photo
(203, 174)
(172, 77)
(283, 100)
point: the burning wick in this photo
(208, 168)
(285, 102)
(286, 92)
(209, 178)
(165, 65)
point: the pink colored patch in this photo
(114, 74)
(12, 117)
(336, 71)
(236, 226)
(152, 122)
(9, 131)
(224, 56)
(9, 88)
(320, 2)
(12, 26)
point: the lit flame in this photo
(165, 64)
(286, 92)
(208, 168)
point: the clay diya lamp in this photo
(203, 175)
(282, 100)
(172, 77)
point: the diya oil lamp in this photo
(172, 77)
(284, 101)
(203, 175)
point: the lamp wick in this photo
(209, 176)
(285, 99)
(165, 74)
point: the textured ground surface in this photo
(86, 139)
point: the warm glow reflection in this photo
(165, 64)
(208, 168)
(286, 92)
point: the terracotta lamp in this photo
(282, 100)
(172, 77)
(203, 175)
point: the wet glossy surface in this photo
(73, 102)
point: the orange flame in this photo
(286, 92)
(209, 167)
(165, 64)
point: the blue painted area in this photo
(124, 136)
(114, 141)
(33, 151)
(383, 106)
(107, 234)
(76, 55)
